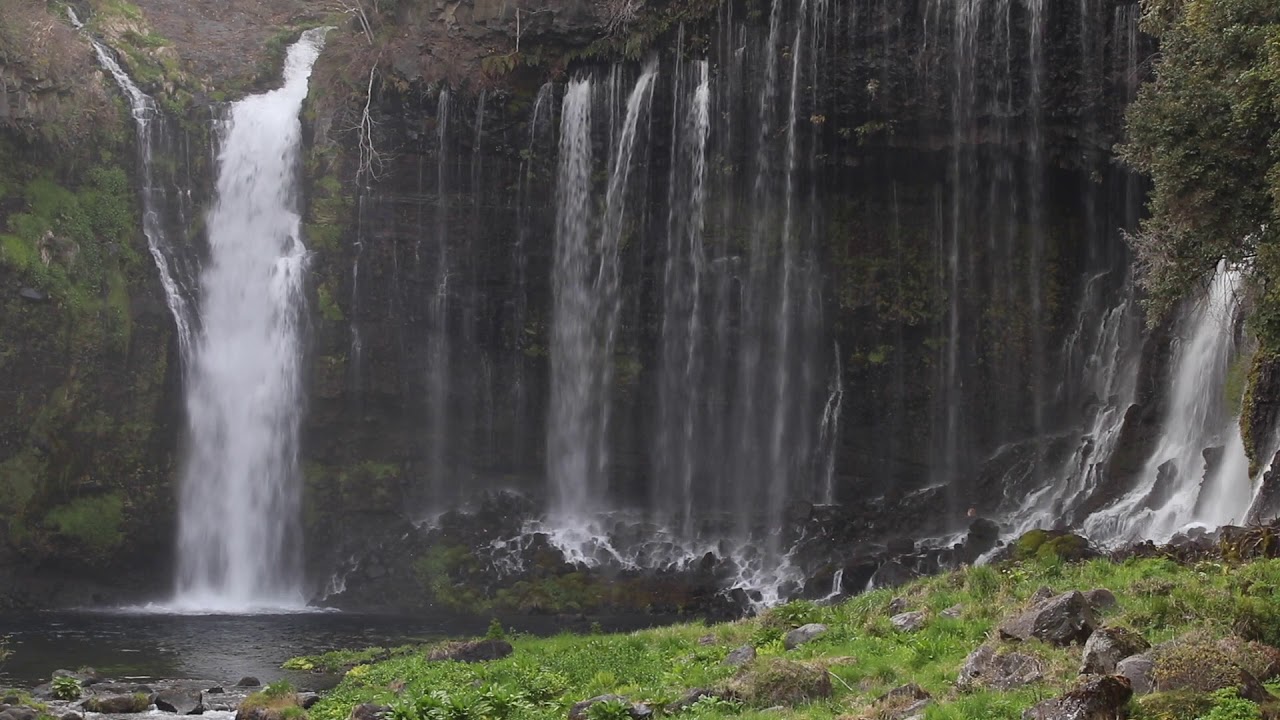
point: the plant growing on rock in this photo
(65, 687)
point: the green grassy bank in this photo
(862, 654)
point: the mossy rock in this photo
(1196, 664)
(1048, 545)
(277, 701)
(776, 681)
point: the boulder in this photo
(33, 295)
(180, 701)
(19, 713)
(1094, 697)
(71, 715)
(368, 711)
(740, 656)
(897, 605)
(802, 635)
(892, 574)
(1138, 670)
(901, 546)
(1100, 599)
(1197, 664)
(778, 681)
(308, 700)
(909, 621)
(1108, 646)
(1060, 620)
(637, 711)
(989, 669)
(906, 702)
(471, 652)
(689, 698)
(952, 613)
(118, 704)
(248, 681)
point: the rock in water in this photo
(118, 704)
(181, 701)
(248, 681)
(1108, 646)
(1096, 697)
(986, 668)
(802, 635)
(1060, 620)
(472, 652)
(19, 713)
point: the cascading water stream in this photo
(1198, 472)
(149, 125)
(238, 546)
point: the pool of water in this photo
(148, 646)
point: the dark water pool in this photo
(220, 648)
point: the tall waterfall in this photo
(238, 546)
(584, 324)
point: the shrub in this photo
(65, 687)
(495, 631)
(1228, 705)
(610, 710)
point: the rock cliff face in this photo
(945, 184)
(87, 436)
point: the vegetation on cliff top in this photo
(861, 656)
(1207, 131)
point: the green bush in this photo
(1228, 705)
(65, 687)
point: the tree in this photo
(1207, 131)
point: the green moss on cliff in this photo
(93, 522)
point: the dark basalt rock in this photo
(118, 704)
(33, 295)
(181, 701)
(368, 711)
(740, 656)
(987, 668)
(803, 634)
(892, 574)
(249, 681)
(1096, 697)
(637, 711)
(19, 713)
(689, 698)
(472, 652)
(1061, 620)
(1107, 646)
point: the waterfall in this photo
(586, 304)
(573, 438)
(683, 352)
(149, 125)
(1198, 472)
(438, 342)
(829, 430)
(238, 545)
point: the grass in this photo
(863, 655)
